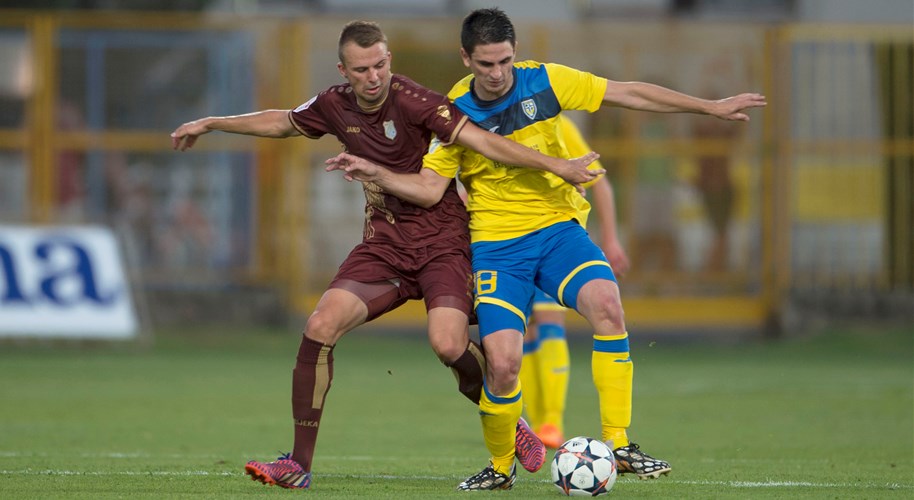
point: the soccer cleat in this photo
(283, 472)
(550, 435)
(530, 451)
(630, 459)
(488, 479)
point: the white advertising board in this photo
(64, 282)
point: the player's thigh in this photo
(338, 311)
(448, 332)
(570, 261)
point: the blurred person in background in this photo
(545, 368)
(526, 232)
(408, 251)
(714, 182)
(654, 206)
(714, 177)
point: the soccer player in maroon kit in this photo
(407, 252)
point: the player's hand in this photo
(575, 171)
(732, 108)
(616, 256)
(354, 168)
(186, 135)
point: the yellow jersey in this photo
(508, 201)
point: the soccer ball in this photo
(584, 467)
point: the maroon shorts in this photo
(385, 276)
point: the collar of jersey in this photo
(495, 102)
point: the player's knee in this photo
(501, 374)
(322, 328)
(615, 314)
(448, 349)
(601, 304)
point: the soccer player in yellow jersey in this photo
(545, 368)
(526, 231)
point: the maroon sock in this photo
(310, 383)
(469, 369)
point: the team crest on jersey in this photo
(390, 131)
(529, 108)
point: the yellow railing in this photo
(801, 184)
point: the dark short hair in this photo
(485, 26)
(363, 33)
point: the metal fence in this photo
(724, 222)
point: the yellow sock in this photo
(612, 375)
(499, 415)
(553, 364)
(530, 379)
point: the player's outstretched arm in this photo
(500, 149)
(649, 97)
(268, 123)
(424, 189)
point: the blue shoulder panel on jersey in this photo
(531, 100)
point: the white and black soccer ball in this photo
(584, 467)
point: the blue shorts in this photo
(558, 259)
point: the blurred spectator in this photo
(654, 209)
(715, 185)
(70, 178)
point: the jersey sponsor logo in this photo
(444, 112)
(390, 131)
(306, 105)
(529, 107)
(352, 129)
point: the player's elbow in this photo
(427, 200)
(280, 131)
(429, 195)
(282, 134)
(430, 189)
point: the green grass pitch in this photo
(824, 416)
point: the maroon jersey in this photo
(396, 136)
